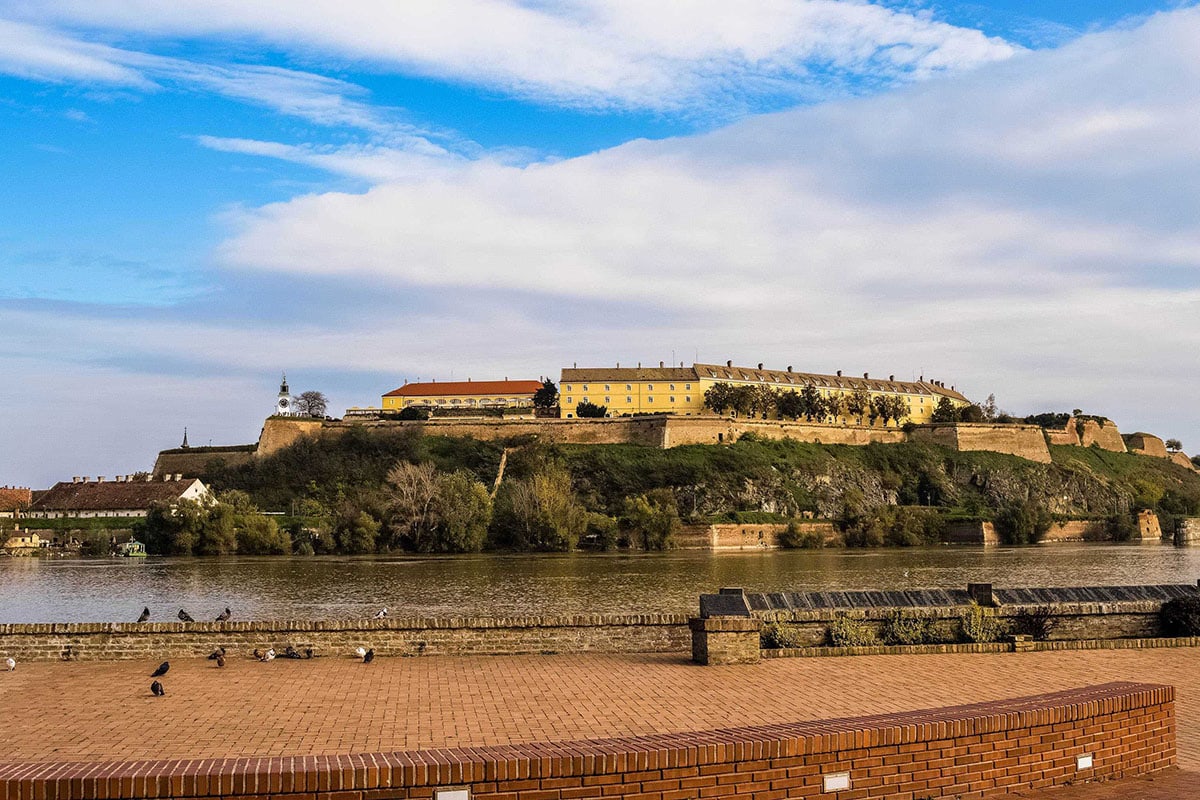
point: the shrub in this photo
(979, 625)
(588, 410)
(653, 517)
(1023, 522)
(902, 627)
(1121, 527)
(1180, 617)
(600, 532)
(851, 630)
(777, 635)
(1036, 623)
(794, 537)
(538, 513)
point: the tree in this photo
(1174, 445)
(1196, 462)
(835, 406)
(719, 397)
(810, 402)
(789, 405)
(654, 517)
(311, 404)
(989, 408)
(858, 403)
(430, 511)
(1023, 522)
(888, 407)
(355, 532)
(546, 397)
(411, 496)
(972, 413)
(538, 513)
(945, 411)
(587, 410)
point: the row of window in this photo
(687, 387)
(483, 401)
(628, 400)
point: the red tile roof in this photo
(109, 495)
(450, 388)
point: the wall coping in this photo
(1000, 610)
(982, 647)
(393, 623)
(448, 766)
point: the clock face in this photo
(283, 404)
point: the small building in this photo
(462, 395)
(123, 497)
(23, 541)
(131, 549)
(14, 500)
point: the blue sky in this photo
(198, 195)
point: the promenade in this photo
(103, 711)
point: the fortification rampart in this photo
(1146, 444)
(1025, 441)
(193, 461)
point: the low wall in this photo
(1182, 460)
(630, 633)
(1070, 531)
(984, 749)
(680, 431)
(971, 533)
(1188, 531)
(746, 535)
(194, 461)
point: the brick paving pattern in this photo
(104, 711)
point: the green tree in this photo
(972, 413)
(945, 411)
(835, 406)
(1023, 522)
(355, 532)
(217, 534)
(858, 403)
(789, 405)
(171, 529)
(1174, 445)
(653, 517)
(538, 513)
(811, 404)
(259, 535)
(546, 397)
(464, 510)
(718, 398)
(587, 410)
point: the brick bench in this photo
(975, 751)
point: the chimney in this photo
(618, 365)
(75, 479)
(178, 476)
(86, 478)
(839, 373)
(729, 363)
(922, 379)
(661, 365)
(891, 377)
(867, 375)
(149, 477)
(575, 364)
(760, 365)
(639, 365)
(789, 367)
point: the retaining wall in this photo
(984, 750)
(1026, 441)
(631, 633)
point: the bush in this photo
(793, 537)
(1180, 617)
(851, 630)
(1121, 527)
(778, 635)
(538, 513)
(1023, 522)
(980, 625)
(653, 517)
(1036, 623)
(600, 532)
(903, 627)
(590, 411)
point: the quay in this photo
(92, 714)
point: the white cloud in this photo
(596, 53)
(27, 51)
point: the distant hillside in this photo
(772, 478)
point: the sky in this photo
(199, 196)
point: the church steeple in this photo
(185, 441)
(283, 406)
(283, 387)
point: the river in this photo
(115, 590)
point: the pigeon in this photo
(291, 652)
(215, 654)
(185, 616)
(224, 615)
(269, 655)
(381, 613)
(370, 656)
(162, 669)
(157, 689)
(11, 663)
(257, 654)
(220, 661)
(360, 651)
(145, 614)
(308, 652)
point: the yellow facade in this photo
(680, 390)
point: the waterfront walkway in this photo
(103, 711)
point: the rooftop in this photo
(451, 388)
(110, 495)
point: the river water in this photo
(97, 590)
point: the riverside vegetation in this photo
(370, 491)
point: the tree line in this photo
(809, 403)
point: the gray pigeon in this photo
(145, 614)
(157, 689)
(185, 616)
(370, 656)
(162, 669)
(224, 615)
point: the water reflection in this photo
(43, 590)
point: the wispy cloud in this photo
(676, 55)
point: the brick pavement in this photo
(104, 711)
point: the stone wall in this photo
(633, 633)
(279, 432)
(723, 430)
(762, 536)
(1182, 460)
(193, 461)
(1187, 531)
(1146, 444)
(1025, 441)
(971, 533)
(1086, 432)
(982, 750)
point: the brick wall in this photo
(630, 633)
(981, 750)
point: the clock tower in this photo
(283, 406)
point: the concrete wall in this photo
(1025, 441)
(630, 633)
(983, 750)
(971, 533)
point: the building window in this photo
(568, 400)
(585, 387)
(628, 387)
(688, 399)
(649, 399)
(567, 387)
(629, 400)
(672, 387)
(585, 396)
(607, 388)
(687, 387)
(672, 398)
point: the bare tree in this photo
(311, 404)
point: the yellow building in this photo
(462, 394)
(680, 390)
